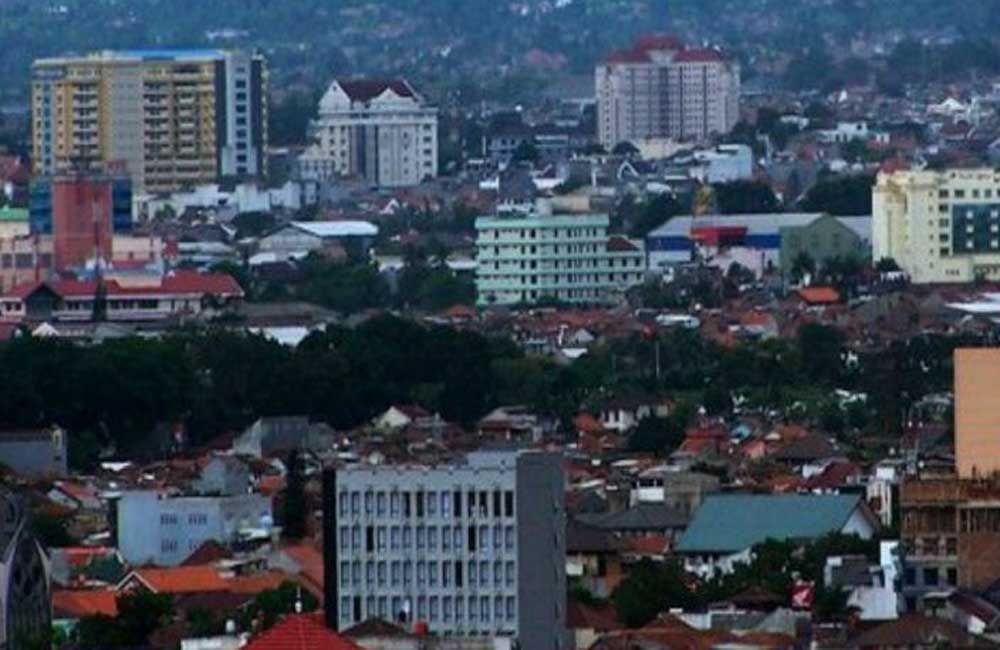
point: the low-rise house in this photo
(681, 491)
(39, 453)
(594, 558)
(225, 476)
(919, 632)
(279, 435)
(727, 526)
(300, 237)
(400, 416)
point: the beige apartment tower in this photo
(170, 119)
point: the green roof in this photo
(734, 522)
(13, 214)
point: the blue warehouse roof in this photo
(730, 523)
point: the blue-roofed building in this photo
(726, 527)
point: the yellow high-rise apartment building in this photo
(940, 226)
(170, 119)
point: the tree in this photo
(294, 520)
(140, 613)
(652, 214)
(717, 399)
(271, 604)
(650, 589)
(886, 265)
(821, 349)
(526, 152)
(745, 197)
(626, 149)
(662, 435)
(52, 531)
(802, 265)
(844, 196)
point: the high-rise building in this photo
(660, 90)
(167, 118)
(527, 257)
(378, 129)
(939, 226)
(470, 549)
(25, 579)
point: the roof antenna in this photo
(298, 599)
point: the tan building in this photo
(939, 226)
(950, 532)
(169, 119)
(661, 90)
(977, 412)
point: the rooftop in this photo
(735, 522)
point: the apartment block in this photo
(659, 89)
(939, 226)
(156, 529)
(168, 119)
(472, 548)
(377, 129)
(25, 577)
(527, 257)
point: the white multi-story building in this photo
(524, 258)
(380, 130)
(939, 226)
(660, 90)
(161, 530)
(473, 548)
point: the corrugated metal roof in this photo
(756, 224)
(734, 522)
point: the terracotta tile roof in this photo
(301, 632)
(180, 282)
(210, 551)
(180, 580)
(647, 544)
(617, 244)
(72, 604)
(916, 630)
(363, 90)
(580, 616)
(587, 424)
(253, 584)
(310, 561)
(819, 295)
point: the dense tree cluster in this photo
(652, 588)
(112, 395)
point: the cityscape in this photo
(540, 325)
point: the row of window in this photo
(481, 503)
(446, 574)
(194, 519)
(431, 538)
(431, 608)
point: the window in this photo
(394, 504)
(431, 504)
(952, 576)
(930, 576)
(508, 504)
(420, 504)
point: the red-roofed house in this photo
(72, 605)
(818, 296)
(301, 632)
(176, 580)
(177, 292)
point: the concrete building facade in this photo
(527, 257)
(40, 453)
(659, 89)
(166, 118)
(472, 548)
(977, 412)
(164, 531)
(950, 534)
(939, 226)
(378, 129)
(825, 239)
